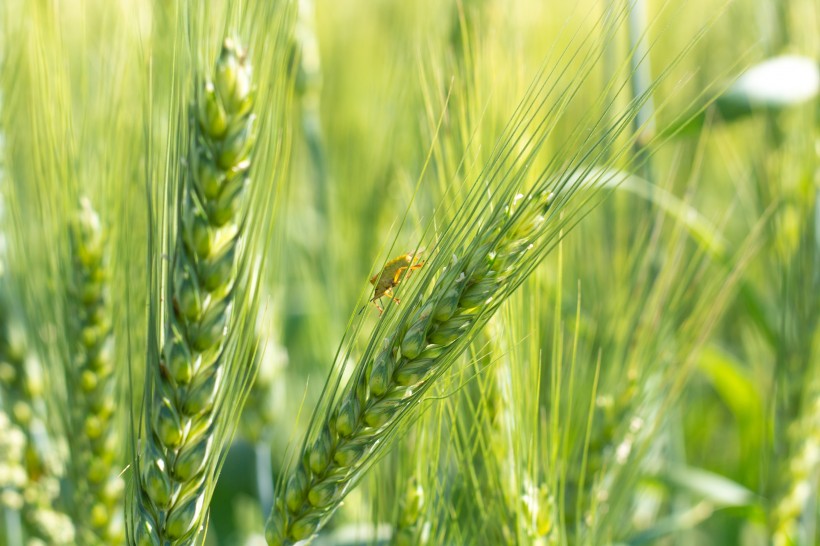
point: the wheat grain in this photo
(181, 416)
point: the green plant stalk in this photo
(178, 457)
(93, 438)
(384, 390)
(641, 82)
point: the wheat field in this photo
(442, 272)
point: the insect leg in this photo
(389, 292)
(414, 267)
(397, 277)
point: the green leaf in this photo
(716, 489)
(701, 230)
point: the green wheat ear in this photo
(93, 454)
(382, 391)
(181, 417)
(408, 528)
(33, 485)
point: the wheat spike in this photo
(384, 390)
(181, 418)
(408, 529)
(34, 487)
(93, 454)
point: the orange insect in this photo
(391, 275)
